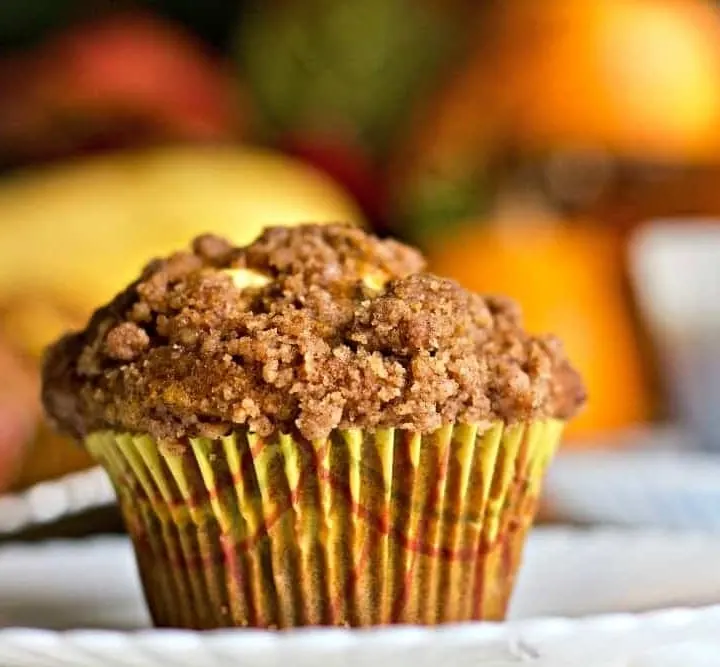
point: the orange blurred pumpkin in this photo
(635, 79)
(568, 282)
(638, 77)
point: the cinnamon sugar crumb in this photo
(126, 342)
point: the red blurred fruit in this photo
(345, 162)
(123, 80)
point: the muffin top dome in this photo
(304, 330)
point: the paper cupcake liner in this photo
(359, 529)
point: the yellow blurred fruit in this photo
(567, 280)
(86, 229)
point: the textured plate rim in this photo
(49, 501)
(555, 627)
(680, 634)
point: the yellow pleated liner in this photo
(362, 528)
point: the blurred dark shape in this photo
(102, 520)
(118, 81)
(24, 22)
(213, 20)
(645, 192)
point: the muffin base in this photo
(358, 529)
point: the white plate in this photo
(655, 479)
(49, 501)
(92, 584)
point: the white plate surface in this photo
(92, 585)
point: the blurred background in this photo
(524, 145)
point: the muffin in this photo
(309, 430)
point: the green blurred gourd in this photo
(353, 67)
